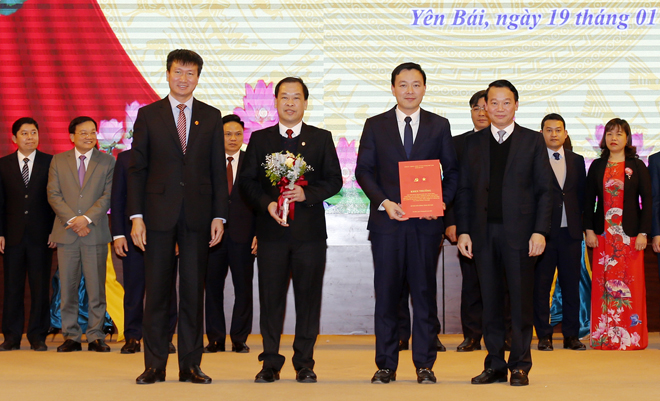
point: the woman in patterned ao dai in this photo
(617, 228)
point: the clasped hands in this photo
(79, 226)
(297, 194)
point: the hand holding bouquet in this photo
(286, 170)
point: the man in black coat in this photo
(26, 220)
(563, 249)
(177, 194)
(404, 249)
(503, 212)
(296, 247)
(235, 251)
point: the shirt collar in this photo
(296, 130)
(401, 116)
(21, 156)
(509, 129)
(551, 153)
(235, 155)
(174, 103)
(78, 154)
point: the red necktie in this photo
(230, 174)
(289, 132)
(181, 127)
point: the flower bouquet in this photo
(286, 170)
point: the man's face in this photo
(409, 90)
(27, 139)
(233, 137)
(291, 103)
(554, 134)
(183, 80)
(85, 137)
(501, 107)
(479, 115)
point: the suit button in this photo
(26, 212)
(229, 201)
(79, 211)
(26, 196)
(182, 184)
(81, 196)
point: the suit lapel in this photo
(274, 138)
(93, 162)
(570, 172)
(516, 143)
(483, 145)
(195, 117)
(36, 169)
(391, 130)
(423, 133)
(17, 169)
(169, 123)
(71, 161)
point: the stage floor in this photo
(344, 365)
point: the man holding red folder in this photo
(404, 249)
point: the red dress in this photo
(618, 292)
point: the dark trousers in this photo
(304, 263)
(133, 269)
(471, 304)
(500, 266)
(564, 253)
(405, 327)
(405, 255)
(160, 273)
(222, 257)
(33, 260)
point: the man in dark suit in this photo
(235, 251)
(404, 250)
(132, 262)
(471, 304)
(177, 194)
(564, 243)
(296, 247)
(503, 214)
(79, 188)
(26, 219)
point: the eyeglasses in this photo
(477, 109)
(87, 134)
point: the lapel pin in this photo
(303, 144)
(196, 122)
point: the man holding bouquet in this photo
(405, 249)
(292, 245)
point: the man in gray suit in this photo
(79, 185)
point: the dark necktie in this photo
(26, 171)
(408, 137)
(556, 155)
(501, 133)
(289, 132)
(81, 170)
(230, 174)
(181, 127)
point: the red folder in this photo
(421, 188)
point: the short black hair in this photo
(291, 80)
(232, 118)
(553, 117)
(185, 56)
(19, 123)
(503, 83)
(475, 98)
(79, 120)
(629, 151)
(407, 66)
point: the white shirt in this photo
(414, 123)
(30, 163)
(187, 112)
(509, 131)
(559, 167)
(234, 163)
(296, 130)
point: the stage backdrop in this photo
(587, 61)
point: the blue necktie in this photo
(556, 155)
(408, 137)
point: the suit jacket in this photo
(654, 168)
(526, 188)
(161, 178)
(25, 209)
(69, 200)
(318, 150)
(634, 219)
(571, 196)
(377, 170)
(241, 223)
(459, 145)
(120, 223)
